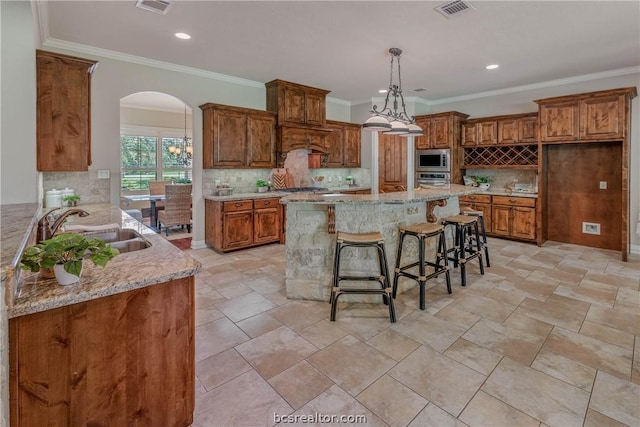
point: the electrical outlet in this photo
(103, 174)
(591, 228)
(412, 210)
(603, 185)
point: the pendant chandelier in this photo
(182, 152)
(388, 121)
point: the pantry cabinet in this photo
(239, 224)
(343, 145)
(235, 137)
(440, 130)
(63, 112)
(392, 163)
(597, 116)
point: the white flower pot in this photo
(63, 277)
(262, 189)
(484, 186)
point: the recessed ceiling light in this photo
(492, 66)
(183, 36)
(383, 91)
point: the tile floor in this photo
(547, 337)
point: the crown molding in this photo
(541, 85)
(41, 12)
(105, 53)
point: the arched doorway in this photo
(155, 145)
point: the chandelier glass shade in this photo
(182, 153)
(394, 121)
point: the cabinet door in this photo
(559, 122)
(523, 223)
(601, 118)
(423, 142)
(261, 142)
(508, 131)
(440, 133)
(314, 109)
(352, 144)
(392, 163)
(63, 112)
(469, 134)
(335, 145)
(528, 129)
(485, 208)
(294, 105)
(500, 220)
(266, 225)
(487, 132)
(237, 230)
(229, 138)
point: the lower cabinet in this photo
(242, 224)
(504, 216)
(120, 360)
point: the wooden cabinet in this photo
(392, 163)
(514, 217)
(293, 138)
(597, 116)
(240, 224)
(63, 112)
(236, 137)
(296, 104)
(440, 130)
(482, 203)
(343, 145)
(125, 359)
(480, 132)
(518, 130)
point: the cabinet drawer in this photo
(476, 198)
(514, 201)
(266, 203)
(238, 205)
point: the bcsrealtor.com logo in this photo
(318, 418)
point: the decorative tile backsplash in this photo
(502, 178)
(87, 185)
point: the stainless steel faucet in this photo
(46, 231)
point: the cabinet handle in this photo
(472, 197)
(512, 200)
(238, 205)
(267, 203)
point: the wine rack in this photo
(507, 156)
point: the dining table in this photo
(152, 199)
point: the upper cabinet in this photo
(480, 132)
(235, 137)
(343, 145)
(595, 116)
(63, 112)
(296, 104)
(518, 129)
(440, 130)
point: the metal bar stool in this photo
(463, 250)
(422, 232)
(366, 240)
(466, 210)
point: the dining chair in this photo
(156, 188)
(177, 207)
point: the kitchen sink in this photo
(125, 240)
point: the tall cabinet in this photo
(63, 112)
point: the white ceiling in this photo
(343, 46)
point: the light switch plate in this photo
(103, 174)
(603, 185)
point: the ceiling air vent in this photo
(455, 8)
(157, 6)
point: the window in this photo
(145, 157)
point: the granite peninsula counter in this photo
(313, 218)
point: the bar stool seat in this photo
(422, 232)
(463, 250)
(361, 240)
(467, 210)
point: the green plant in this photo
(68, 249)
(71, 198)
(262, 183)
(482, 179)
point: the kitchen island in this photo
(117, 348)
(313, 219)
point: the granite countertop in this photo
(411, 196)
(507, 192)
(278, 193)
(132, 270)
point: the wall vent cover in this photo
(157, 6)
(455, 8)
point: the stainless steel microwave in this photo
(433, 160)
